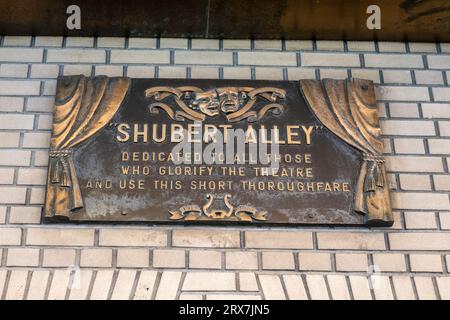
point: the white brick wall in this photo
(412, 258)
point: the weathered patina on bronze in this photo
(113, 154)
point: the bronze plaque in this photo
(216, 151)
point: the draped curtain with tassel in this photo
(83, 106)
(348, 109)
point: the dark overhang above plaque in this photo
(216, 151)
(413, 20)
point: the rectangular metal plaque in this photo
(216, 151)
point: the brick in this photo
(140, 56)
(49, 88)
(133, 258)
(110, 42)
(66, 236)
(402, 93)
(188, 296)
(2, 217)
(32, 176)
(351, 240)
(38, 285)
(241, 260)
(389, 46)
(436, 110)
(102, 285)
(403, 288)
(13, 70)
(16, 285)
(202, 259)
(22, 257)
(45, 122)
(441, 94)
(409, 145)
(101, 258)
(80, 286)
(142, 43)
(36, 140)
(16, 41)
(444, 218)
(439, 146)
(141, 72)
(71, 70)
(267, 45)
(45, 41)
(408, 128)
(44, 71)
(368, 74)
(77, 55)
(445, 47)
(19, 88)
(419, 241)
(438, 61)
(319, 59)
(110, 71)
(145, 285)
(278, 260)
(2, 280)
(59, 285)
(267, 58)
(425, 201)
(236, 73)
(403, 110)
(295, 288)
(415, 182)
(351, 262)
(268, 73)
(168, 285)
(298, 45)
(381, 287)
(422, 47)
(444, 128)
(327, 45)
(80, 42)
(13, 104)
(205, 238)
(301, 73)
(420, 220)
(333, 74)
(37, 195)
(361, 46)
(21, 215)
(59, 257)
(209, 281)
(204, 73)
(236, 44)
(40, 104)
(203, 57)
(425, 262)
(10, 236)
(271, 287)
(172, 72)
(278, 240)
(173, 43)
(428, 77)
(12, 195)
(317, 287)
(209, 44)
(124, 284)
(9, 139)
(397, 76)
(132, 237)
(16, 121)
(360, 287)
(338, 287)
(425, 288)
(169, 258)
(247, 282)
(393, 61)
(21, 55)
(443, 284)
(232, 297)
(389, 262)
(442, 182)
(314, 261)
(413, 164)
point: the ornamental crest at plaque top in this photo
(236, 103)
